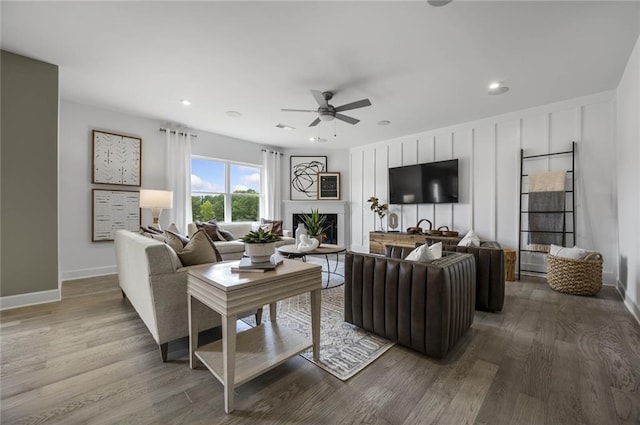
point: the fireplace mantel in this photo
(341, 208)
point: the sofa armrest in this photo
(490, 278)
(169, 299)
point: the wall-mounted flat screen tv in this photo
(429, 183)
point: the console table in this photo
(378, 240)
(239, 358)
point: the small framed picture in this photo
(329, 186)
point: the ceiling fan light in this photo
(327, 117)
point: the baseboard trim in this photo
(628, 303)
(92, 272)
(33, 298)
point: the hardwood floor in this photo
(548, 358)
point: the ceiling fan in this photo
(327, 112)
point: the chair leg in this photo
(259, 316)
(164, 350)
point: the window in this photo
(226, 191)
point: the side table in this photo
(239, 358)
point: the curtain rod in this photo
(180, 133)
(266, 150)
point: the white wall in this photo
(489, 154)
(78, 255)
(628, 181)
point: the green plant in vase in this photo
(260, 245)
(260, 236)
(314, 223)
(379, 209)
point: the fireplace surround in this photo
(339, 209)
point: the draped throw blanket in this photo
(546, 210)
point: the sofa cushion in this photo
(225, 247)
(276, 225)
(199, 250)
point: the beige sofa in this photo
(152, 278)
(234, 250)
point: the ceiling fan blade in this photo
(315, 122)
(354, 105)
(345, 118)
(319, 97)
(298, 110)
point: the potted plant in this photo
(314, 223)
(379, 209)
(259, 245)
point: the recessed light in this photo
(497, 87)
(499, 90)
(285, 127)
(185, 102)
(317, 139)
(234, 114)
(384, 122)
(438, 3)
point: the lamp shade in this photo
(156, 199)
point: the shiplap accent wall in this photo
(489, 173)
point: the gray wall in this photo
(29, 176)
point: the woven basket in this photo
(576, 277)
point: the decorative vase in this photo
(260, 252)
(319, 238)
(301, 230)
(381, 225)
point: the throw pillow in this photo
(144, 231)
(225, 235)
(276, 225)
(264, 226)
(210, 227)
(173, 228)
(470, 239)
(199, 250)
(426, 253)
(575, 253)
(175, 240)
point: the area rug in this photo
(345, 349)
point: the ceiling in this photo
(422, 67)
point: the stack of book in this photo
(245, 265)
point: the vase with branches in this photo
(379, 209)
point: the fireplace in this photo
(338, 209)
(330, 223)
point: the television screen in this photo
(430, 183)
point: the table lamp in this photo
(156, 200)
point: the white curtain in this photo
(178, 162)
(270, 207)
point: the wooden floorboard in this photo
(548, 358)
